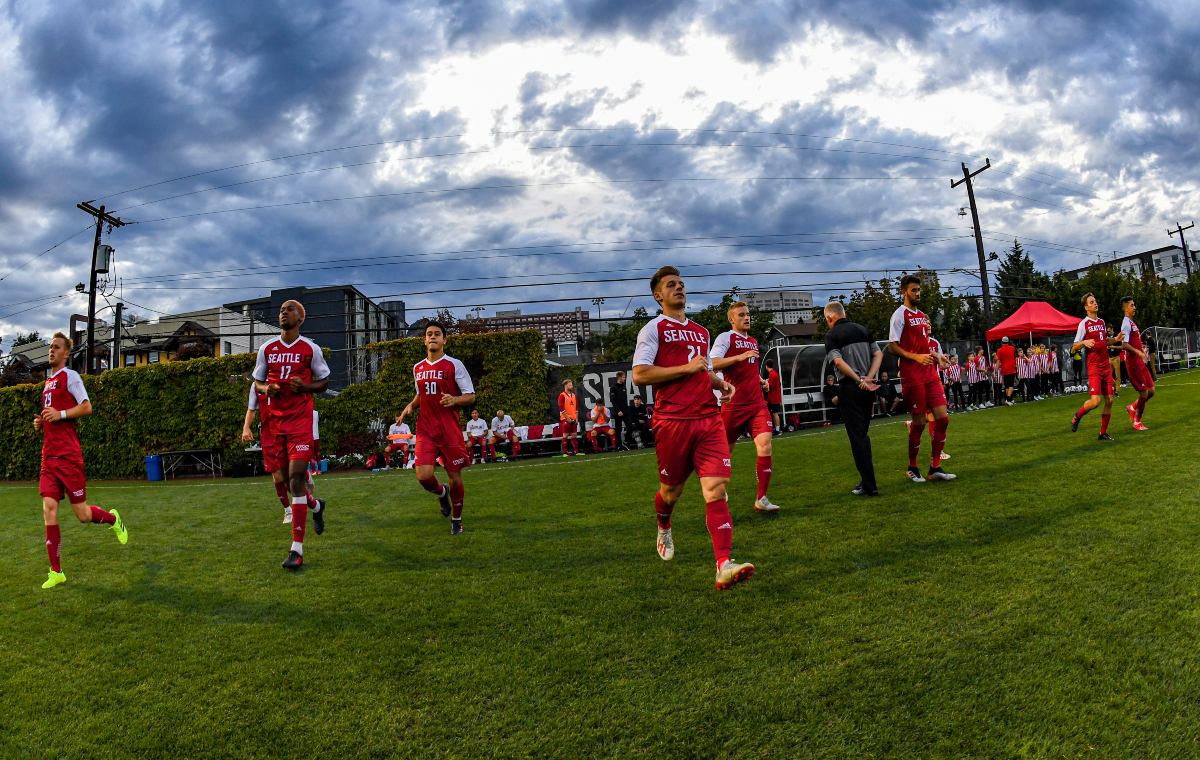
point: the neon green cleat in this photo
(119, 528)
(54, 580)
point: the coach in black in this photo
(856, 359)
(620, 411)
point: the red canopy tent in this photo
(1035, 319)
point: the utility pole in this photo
(102, 219)
(983, 275)
(115, 356)
(1187, 256)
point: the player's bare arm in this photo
(648, 374)
(299, 386)
(464, 400)
(720, 384)
(247, 433)
(923, 359)
(51, 415)
(725, 362)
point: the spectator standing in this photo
(1151, 347)
(997, 378)
(954, 372)
(981, 368)
(1077, 364)
(1008, 368)
(620, 409)
(856, 359)
(774, 395)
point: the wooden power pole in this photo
(1187, 255)
(102, 219)
(968, 175)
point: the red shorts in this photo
(604, 429)
(273, 456)
(923, 398)
(568, 428)
(1100, 382)
(62, 477)
(452, 451)
(754, 419)
(686, 445)
(1139, 376)
(511, 435)
(291, 448)
(476, 440)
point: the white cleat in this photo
(937, 473)
(666, 544)
(945, 455)
(287, 515)
(764, 505)
(731, 573)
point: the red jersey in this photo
(1133, 336)
(665, 342)
(774, 388)
(261, 403)
(63, 390)
(910, 330)
(1008, 359)
(744, 375)
(278, 362)
(1095, 329)
(446, 375)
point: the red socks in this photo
(281, 492)
(456, 500)
(432, 486)
(100, 516)
(938, 435)
(1104, 418)
(932, 424)
(914, 443)
(720, 527)
(1082, 411)
(1139, 406)
(492, 449)
(663, 510)
(311, 502)
(564, 445)
(763, 468)
(299, 521)
(387, 459)
(516, 446)
(575, 444)
(54, 547)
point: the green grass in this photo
(1044, 604)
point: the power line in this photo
(48, 250)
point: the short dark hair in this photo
(621, 373)
(1086, 296)
(907, 280)
(770, 364)
(434, 323)
(666, 271)
(568, 380)
(1126, 299)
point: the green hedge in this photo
(201, 403)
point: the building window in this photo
(130, 360)
(153, 357)
(228, 348)
(568, 349)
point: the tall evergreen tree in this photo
(1017, 280)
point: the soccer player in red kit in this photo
(270, 453)
(923, 393)
(64, 400)
(672, 355)
(735, 355)
(443, 385)
(289, 370)
(1093, 335)
(1135, 364)
(568, 416)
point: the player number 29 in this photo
(46, 399)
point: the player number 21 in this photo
(692, 352)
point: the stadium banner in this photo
(594, 384)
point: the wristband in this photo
(62, 414)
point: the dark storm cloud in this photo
(112, 97)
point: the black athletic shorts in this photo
(1010, 380)
(775, 408)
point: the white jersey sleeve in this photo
(260, 364)
(320, 367)
(1127, 327)
(75, 387)
(896, 325)
(720, 346)
(316, 426)
(1080, 332)
(252, 404)
(647, 344)
(462, 377)
(477, 427)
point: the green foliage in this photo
(201, 403)
(23, 340)
(715, 318)
(873, 306)
(622, 339)
(1018, 281)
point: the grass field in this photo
(1044, 604)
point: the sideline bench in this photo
(204, 460)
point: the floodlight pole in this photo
(983, 276)
(102, 219)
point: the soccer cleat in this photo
(914, 474)
(1132, 416)
(945, 455)
(444, 501)
(1140, 426)
(908, 424)
(455, 526)
(319, 517)
(54, 579)
(860, 490)
(1074, 424)
(287, 515)
(294, 560)
(764, 505)
(666, 544)
(118, 527)
(730, 573)
(937, 473)
(1105, 437)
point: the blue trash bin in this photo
(154, 468)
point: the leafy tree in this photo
(872, 307)
(953, 311)
(715, 318)
(1018, 280)
(24, 340)
(621, 340)
(972, 321)
(14, 372)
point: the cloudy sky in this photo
(546, 154)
